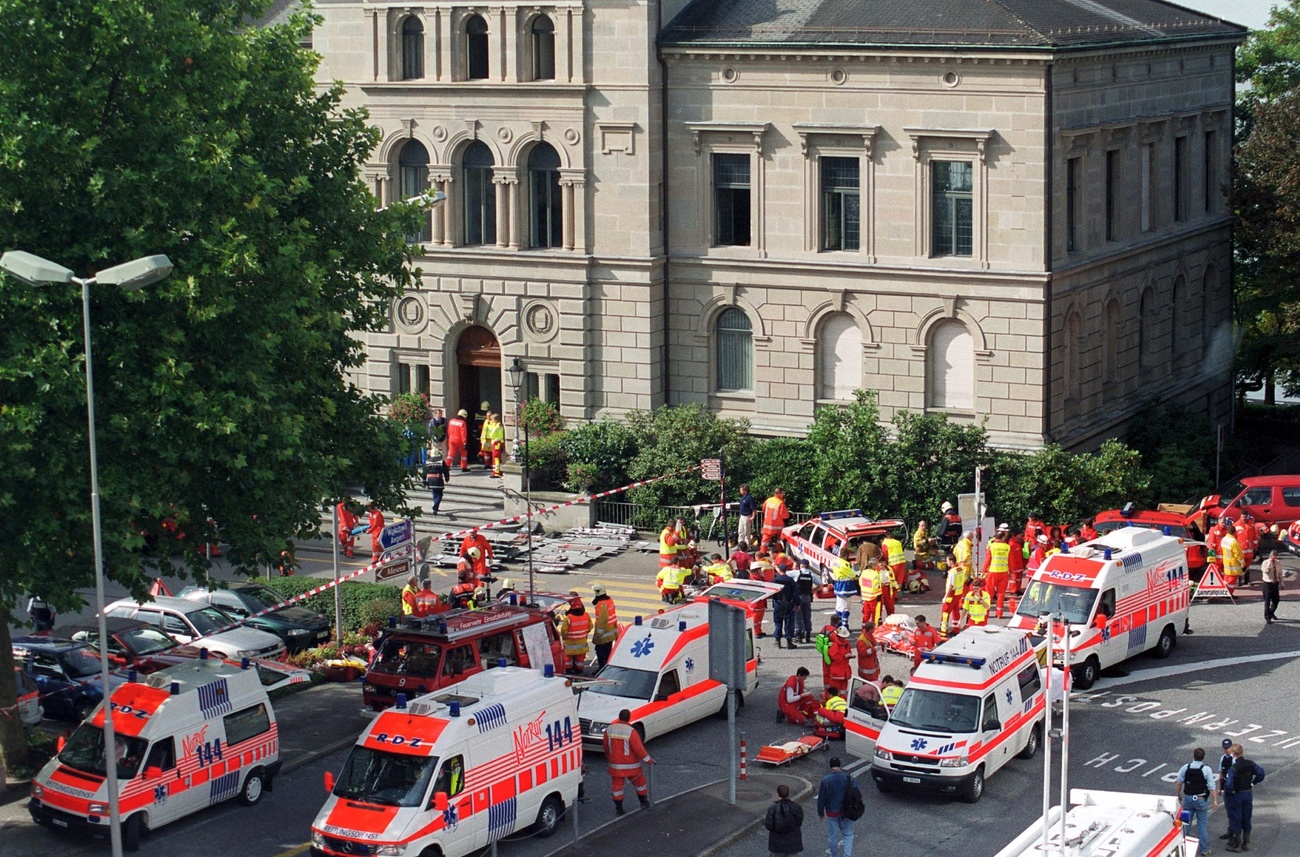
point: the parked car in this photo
(818, 539)
(202, 625)
(65, 672)
(1268, 499)
(298, 627)
(1172, 523)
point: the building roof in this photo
(1015, 24)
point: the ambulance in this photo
(455, 770)
(972, 704)
(187, 737)
(1123, 593)
(1117, 824)
(659, 670)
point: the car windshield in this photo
(257, 597)
(85, 752)
(1072, 604)
(79, 663)
(408, 657)
(392, 779)
(936, 711)
(146, 641)
(621, 681)
(209, 620)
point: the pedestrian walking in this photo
(375, 526)
(458, 440)
(348, 528)
(1271, 582)
(1239, 798)
(436, 476)
(624, 754)
(605, 630)
(784, 823)
(1196, 793)
(438, 433)
(748, 508)
(830, 806)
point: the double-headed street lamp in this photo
(129, 276)
(517, 378)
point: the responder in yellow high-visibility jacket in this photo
(976, 605)
(962, 550)
(1234, 562)
(893, 550)
(718, 570)
(953, 593)
(574, 630)
(668, 545)
(871, 586)
(842, 579)
(997, 567)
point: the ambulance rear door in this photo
(865, 717)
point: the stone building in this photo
(1011, 211)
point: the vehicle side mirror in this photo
(994, 725)
(440, 801)
(329, 782)
(61, 743)
(152, 772)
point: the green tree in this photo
(130, 128)
(931, 459)
(849, 457)
(674, 438)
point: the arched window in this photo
(412, 49)
(476, 48)
(1110, 361)
(1177, 338)
(543, 46)
(839, 357)
(1071, 365)
(952, 367)
(1146, 328)
(1209, 288)
(413, 180)
(735, 338)
(480, 195)
(545, 211)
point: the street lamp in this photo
(129, 276)
(517, 376)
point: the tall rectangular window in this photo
(841, 208)
(952, 196)
(1210, 179)
(403, 378)
(1112, 195)
(1072, 177)
(1180, 178)
(1148, 172)
(731, 200)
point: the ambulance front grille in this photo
(585, 724)
(348, 846)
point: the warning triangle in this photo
(1212, 584)
(158, 588)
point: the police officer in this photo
(804, 582)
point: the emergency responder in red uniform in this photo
(463, 592)
(347, 523)
(1036, 557)
(624, 754)
(868, 655)
(794, 703)
(605, 631)
(575, 627)
(870, 586)
(458, 440)
(953, 592)
(1017, 561)
(830, 629)
(775, 516)
(409, 591)
(473, 540)
(888, 586)
(924, 638)
(427, 601)
(374, 526)
(838, 672)
(997, 567)
(1087, 532)
(1034, 528)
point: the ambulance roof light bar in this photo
(947, 658)
(841, 513)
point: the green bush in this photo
(377, 610)
(604, 446)
(541, 418)
(1177, 449)
(672, 439)
(547, 462)
(355, 595)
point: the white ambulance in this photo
(457, 769)
(1123, 594)
(1117, 824)
(659, 670)
(973, 703)
(187, 737)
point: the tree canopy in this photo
(137, 127)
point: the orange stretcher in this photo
(786, 752)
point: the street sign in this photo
(727, 644)
(396, 534)
(711, 469)
(394, 568)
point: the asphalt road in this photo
(1235, 677)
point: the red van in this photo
(1268, 499)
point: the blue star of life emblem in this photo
(160, 795)
(1105, 631)
(690, 665)
(641, 648)
(450, 817)
(1008, 696)
(918, 743)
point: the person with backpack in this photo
(784, 823)
(1197, 794)
(839, 802)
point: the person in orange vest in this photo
(892, 548)
(953, 592)
(868, 655)
(924, 638)
(624, 754)
(975, 606)
(375, 526)
(477, 543)
(427, 601)
(775, 516)
(458, 440)
(575, 628)
(1034, 527)
(605, 631)
(997, 567)
(829, 630)
(838, 672)
(794, 703)
(348, 521)
(871, 588)
(463, 592)
(1017, 561)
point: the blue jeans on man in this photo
(839, 828)
(1198, 809)
(783, 619)
(1240, 806)
(805, 616)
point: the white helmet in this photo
(473, 553)
(946, 507)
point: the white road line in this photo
(1183, 669)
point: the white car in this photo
(201, 625)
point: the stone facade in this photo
(1062, 313)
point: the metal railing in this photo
(645, 517)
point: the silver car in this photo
(201, 625)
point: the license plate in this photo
(58, 822)
(323, 635)
(914, 780)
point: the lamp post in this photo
(136, 274)
(517, 376)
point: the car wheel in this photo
(548, 817)
(132, 830)
(1031, 746)
(975, 790)
(1165, 645)
(1087, 673)
(254, 785)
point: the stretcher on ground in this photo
(787, 751)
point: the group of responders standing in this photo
(839, 805)
(450, 442)
(1201, 788)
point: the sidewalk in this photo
(699, 822)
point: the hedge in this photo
(361, 601)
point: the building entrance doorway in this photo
(478, 364)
